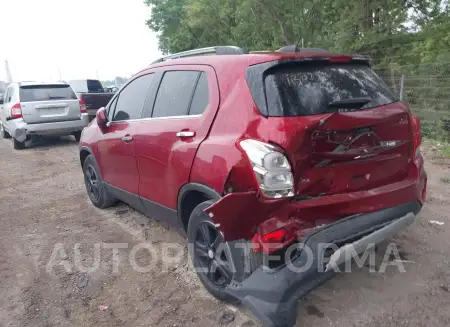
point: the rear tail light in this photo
(273, 241)
(83, 109)
(16, 111)
(271, 168)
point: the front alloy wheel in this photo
(92, 183)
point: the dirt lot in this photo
(43, 204)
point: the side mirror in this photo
(101, 118)
(2, 100)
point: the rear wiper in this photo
(354, 103)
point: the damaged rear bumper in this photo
(272, 296)
(19, 129)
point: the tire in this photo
(95, 187)
(4, 133)
(18, 145)
(77, 136)
(236, 261)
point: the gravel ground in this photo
(47, 219)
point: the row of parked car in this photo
(33, 109)
(257, 151)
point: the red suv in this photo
(252, 155)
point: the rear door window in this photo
(201, 96)
(175, 93)
(309, 89)
(31, 93)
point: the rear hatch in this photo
(44, 103)
(342, 128)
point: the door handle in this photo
(127, 138)
(185, 134)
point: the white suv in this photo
(31, 108)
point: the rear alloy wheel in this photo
(210, 254)
(3, 132)
(19, 145)
(94, 185)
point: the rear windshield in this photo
(47, 92)
(94, 86)
(87, 86)
(301, 90)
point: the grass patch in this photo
(445, 151)
(441, 148)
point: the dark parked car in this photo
(263, 152)
(91, 93)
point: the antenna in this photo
(296, 44)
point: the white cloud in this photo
(77, 37)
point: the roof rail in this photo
(293, 48)
(216, 50)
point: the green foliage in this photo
(363, 25)
(404, 37)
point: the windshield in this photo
(300, 90)
(31, 93)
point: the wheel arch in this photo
(84, 152)
(191, 195)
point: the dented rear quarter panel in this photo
(220, 163)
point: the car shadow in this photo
(48, 142)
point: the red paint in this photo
(118, 158)
(157, 163)
(165, 160)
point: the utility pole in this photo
(8, 72)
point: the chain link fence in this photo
(428, 97)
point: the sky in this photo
(75, 39)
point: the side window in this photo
(174, 93)
(111, 108)
(201, 96)
(131, 99)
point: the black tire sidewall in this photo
(105, 199)
(197, 217)
(18, 145)
(77, 136)
(5, 134)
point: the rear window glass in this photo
(31, 93)
(301, 90)
(94, 86)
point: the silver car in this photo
(31, 108)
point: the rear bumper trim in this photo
(359, 246)
(273, 296)
(19, 129)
